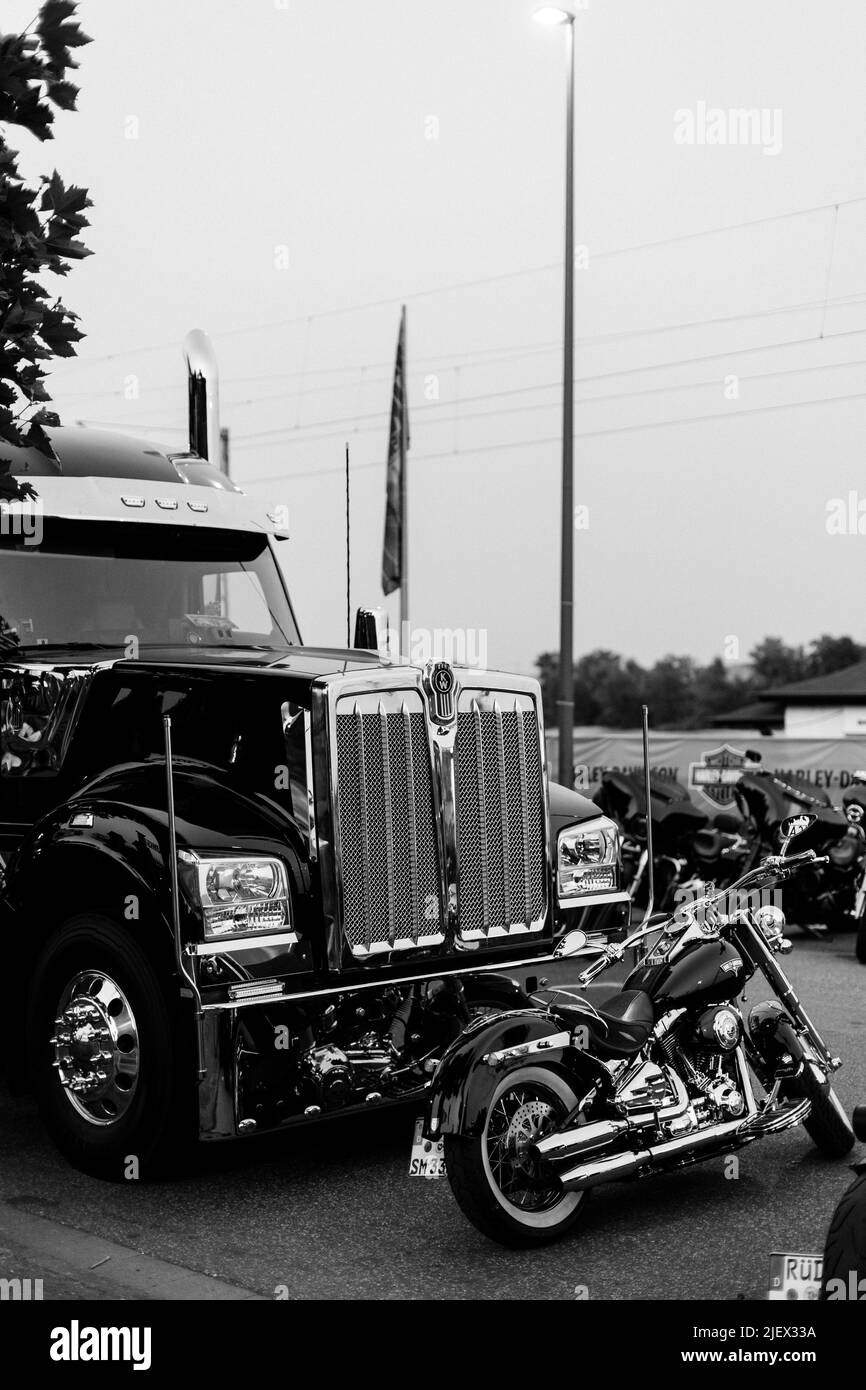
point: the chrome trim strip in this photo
(593, 900)
(503, 811)
(389, 823)
(356, 986)
(411, 816)
(311, 793)
(552, 1042)
(256, 989)
(482, 818)
(229, 947)
(362, 811)
(521, 757)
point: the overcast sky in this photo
(285, 175)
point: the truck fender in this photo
(464, 1082)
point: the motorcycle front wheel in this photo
(827, 1126)
(491, 1174)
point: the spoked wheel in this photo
(494, 1177)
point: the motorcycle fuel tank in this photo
(706, 972)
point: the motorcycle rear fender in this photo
(463, 1082)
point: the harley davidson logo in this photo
(717, 773)
(441, 687)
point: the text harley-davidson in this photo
(537, 1107)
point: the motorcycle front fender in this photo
(774, 1035)
(464, 1081)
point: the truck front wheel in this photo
(102, 1053)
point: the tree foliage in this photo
(609, 690)
(39, 230)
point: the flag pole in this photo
(404, 508)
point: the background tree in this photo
(609, 690)
(774, 663)
(39, 230)
(829, 654)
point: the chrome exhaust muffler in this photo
(626, 1165)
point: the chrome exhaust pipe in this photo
(626, 1165)
(204, 396)
(585, 1139)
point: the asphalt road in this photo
(332, 1214)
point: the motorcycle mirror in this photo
(795, 825)
(753, 755)
(571, 944)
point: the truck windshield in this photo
(104, 584)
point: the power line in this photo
(556, 439)
(284, 433)
(484, 280)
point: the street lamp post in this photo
(552, 15)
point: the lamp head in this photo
(553, 14)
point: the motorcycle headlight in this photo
(587, 858)
(770, 920)
(237, 896)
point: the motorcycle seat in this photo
(623, 1025)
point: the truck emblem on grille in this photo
(440, 688)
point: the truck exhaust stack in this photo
(204, 396)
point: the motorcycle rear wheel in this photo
(486, 1172)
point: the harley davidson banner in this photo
(710, 766)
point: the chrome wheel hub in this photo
(96, 1051)
(519, 1118)
(527, 1124)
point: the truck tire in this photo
(103, 1054)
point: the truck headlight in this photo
(237, 896)
(587, 858)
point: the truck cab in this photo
(246, 882)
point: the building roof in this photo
(760, 714)
(844, 687)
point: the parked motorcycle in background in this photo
(689, 849)
(820, 894)
(538, 1106)
(854, 804)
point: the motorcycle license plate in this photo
(428, 1157)
(795, 1276)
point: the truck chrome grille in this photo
(500, 818)
(390, 862)
(388, 812)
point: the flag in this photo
(393, 549)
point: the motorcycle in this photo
(854, 803)
(537, 1107)
(822, 894)
(688, 848)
